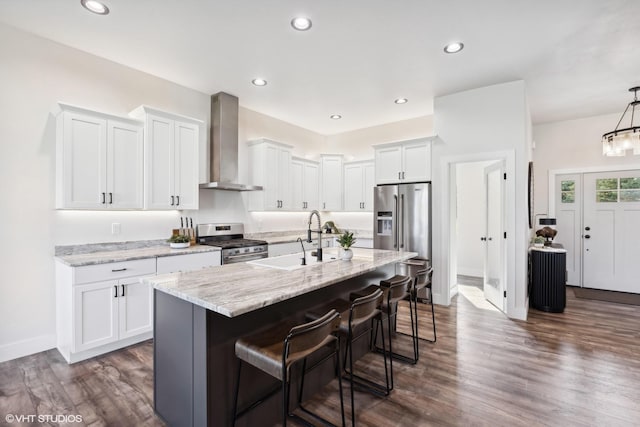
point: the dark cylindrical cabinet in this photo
(548, 279)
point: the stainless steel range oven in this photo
(230, 238)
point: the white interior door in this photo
(612, 231)
(568, 223)
(494, 260)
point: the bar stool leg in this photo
(235, 398)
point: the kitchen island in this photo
(199, 315)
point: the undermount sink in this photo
(293, 261)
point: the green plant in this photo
(179, 238)
(537, 239)
(346, 239)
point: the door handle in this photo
(395, 243)
(489, 238)
(587, 228)
(586, 236)
(402, 220)
(484, 239)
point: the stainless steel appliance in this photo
(402, 218)
(230, 238)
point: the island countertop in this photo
(235, 289)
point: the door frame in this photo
(445, 265)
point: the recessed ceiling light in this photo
(335, 116)
(454, 47)
(301, 23)
(401, 101)
(95, 7)
(259, 82)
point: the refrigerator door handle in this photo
(395, 241)
(401, 217)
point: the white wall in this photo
(471, 217)
(572, 144)
(483, 124)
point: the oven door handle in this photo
(246, 257)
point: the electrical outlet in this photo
(115, 228)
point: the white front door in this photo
(568, 223)
(611, 231)
(494, 248)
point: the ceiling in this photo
(577, 57)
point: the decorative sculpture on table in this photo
(548, 233)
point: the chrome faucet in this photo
(304, 253)
(319, 231)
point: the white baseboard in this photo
(474, 272)
(27, 347)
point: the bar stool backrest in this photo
(365, 307)
(423, 278)
(398, 290)
(306, 338)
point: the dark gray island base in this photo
(194, 357)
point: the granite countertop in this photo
(235, 289)
(273, 237)
(126, 254)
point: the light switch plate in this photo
(115, 228)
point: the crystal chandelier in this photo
(618, 141)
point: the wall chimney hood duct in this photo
(224, 145)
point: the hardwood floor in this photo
(577, 368)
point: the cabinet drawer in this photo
(114, 270)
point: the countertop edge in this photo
(107, 257)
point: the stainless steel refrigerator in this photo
(402, 218)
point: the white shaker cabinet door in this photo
(297, 185)
(417, 162)
(332, 183)
(159, 164)
(369, 182)
(353, 188)
(95, 309)
(83, 167)
(284, 175)
(135, 307)
(311, 186)
(186, 165)
(389, 165)
(124, 166)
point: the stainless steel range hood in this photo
(224, 145)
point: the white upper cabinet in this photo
(331, 182)
(358, 186)
(270, 167)
(99, 162)
(171, 159)
(404, 161)
(305, 184)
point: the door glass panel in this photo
(568, 191)
(606, 196)
(630, 195)
(607, 184)
(629, 183)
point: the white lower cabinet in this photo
(104, 307)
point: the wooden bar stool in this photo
(275, 351)
(354, 315)
(395, 289)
